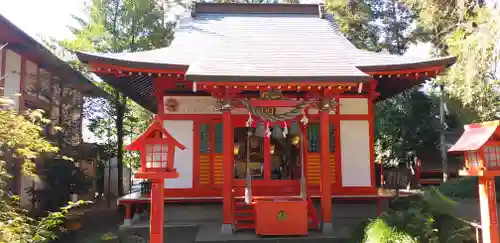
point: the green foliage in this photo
(470, 31)
(465, 187)
(405, 125)
(439, 19)
(16, 227)
(108, 236)
(20, 136)
(61, 179)
(374, 25)
(356, 19)
(428, 218)
(118, 26)
(472, 84)
(379, 231)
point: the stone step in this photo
(212, 234)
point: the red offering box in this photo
(286, 217)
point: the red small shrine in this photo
(480, 144)
(273, 104)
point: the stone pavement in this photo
(202, 222)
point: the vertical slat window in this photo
(313, 143)
(205, 148)
(205, 139)
(218, 138)
(313, 138)
(332, 138)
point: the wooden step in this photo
(430, 181)
(245, 226)
(245, 211)
(245, 218)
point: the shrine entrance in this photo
(272, 160)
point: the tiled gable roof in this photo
(265, 43)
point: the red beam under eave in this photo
(112, 69)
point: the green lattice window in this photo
(204, 138)
(313, 143)
(218, 138)
(332, 138)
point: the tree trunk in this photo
(120, 115)
(442, 146)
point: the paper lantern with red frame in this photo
(480, 144)
(157, 148)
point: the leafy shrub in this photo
(464, 187)
(21, 142)
(428, 218)
(61, 178)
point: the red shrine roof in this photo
(474, 136)
(156, 125)
(264, 43)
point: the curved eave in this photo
(393, 79)
(139, 88)
(439, 62)
(292, 79)
(108, 59)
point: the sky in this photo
(51, 18)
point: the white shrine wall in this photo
(182, 130)
(355, 153)
(355, 143)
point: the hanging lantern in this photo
(295, 140)
(294, 128)
(271, 149)
(236, 148)
(260, 130)
(277, 131)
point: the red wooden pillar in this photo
(157, 211)
(267, 158)
(128, 214)
(228, 171)
(487, 200)
(326, 185)
(137, 213)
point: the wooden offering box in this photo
(281, 217)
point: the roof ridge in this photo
(257, 8)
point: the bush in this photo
(464, 187)
(428, 218)
(61, 178)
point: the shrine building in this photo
(269, 100)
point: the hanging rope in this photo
(259, 112)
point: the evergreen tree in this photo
(356, 19)
(470, 31)
(120, 26)
(395, 21)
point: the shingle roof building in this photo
(261, 42)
